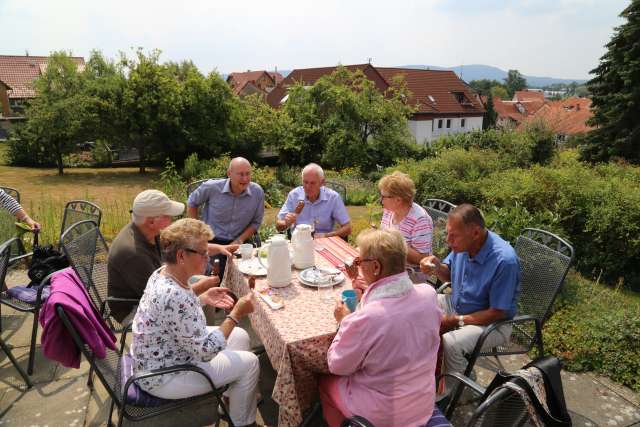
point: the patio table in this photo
(296, 337)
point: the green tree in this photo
(209, 116)
(262, 127)
(56, 117)
(490, 115)
(344, 120)
(499, 92)
(616, 95)
(149, 113)
(484, 86)
(104, 88)
(514, 82)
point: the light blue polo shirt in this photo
(227, 214)
(491, 279)
(326, 211)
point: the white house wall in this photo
(426, 131)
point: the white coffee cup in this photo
(246, 251)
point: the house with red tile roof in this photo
(525, 103)
(250, 82)
(566, 117)
(444, 103)
(18, 74)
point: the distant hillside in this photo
(479, 71)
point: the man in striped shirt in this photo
(13, 207)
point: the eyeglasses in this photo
(357, 261)
(382, 197)
(204, 254)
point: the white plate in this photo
(252, 267)
(310, 275)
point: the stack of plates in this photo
(317, 276)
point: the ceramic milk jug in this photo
(278, 263)
(302, 242)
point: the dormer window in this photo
(462, 98)
(431, 98)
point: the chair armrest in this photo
(492, 327)
(43, 283)
(444, 286)
(117, 299)
(466, 381)
(172, 369)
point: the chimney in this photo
(578, 107)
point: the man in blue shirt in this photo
(485, 278)
(323, 207)
(233, 207)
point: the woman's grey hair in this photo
(182, 234)
(387, 247)
(315, 168)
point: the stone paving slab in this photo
(56, 403)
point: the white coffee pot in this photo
(302, 242)
(278, 262)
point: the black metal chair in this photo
(109, 372)
(338, 188)
(356, 421)
(79, 210)
(545, 260)
(4, 266)
(87, 252)
(8, 230)
(19, 305)
(254, 240)
(438, 210)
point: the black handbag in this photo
(44, 261)
(557, 416)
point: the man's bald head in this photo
(239, 172)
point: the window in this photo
(462, 123)
(448, 123)
(440, 124)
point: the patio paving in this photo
(60, 396)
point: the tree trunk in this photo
(59, 159)
(142, 155)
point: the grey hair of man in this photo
(315, 168)
(138, 219)
(468, 214)
(237, 161)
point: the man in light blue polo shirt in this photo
(233, 207)
(485, 279)
(323, 207)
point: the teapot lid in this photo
(278, 241)
(303, 227)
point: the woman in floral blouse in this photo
(170, 329)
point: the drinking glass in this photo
(325, 289)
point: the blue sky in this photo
(557, 38)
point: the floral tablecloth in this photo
(296, 337)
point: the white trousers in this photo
(236, 366)
(460, 342)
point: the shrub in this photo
(596, 328)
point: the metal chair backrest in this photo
(503, 408)
(5, 255)
(12, 192)
(439, 210)
(80, 210)
(338, 188)
(87, 252)
(107, 369)
(356, 421)
(544, 263)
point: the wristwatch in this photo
(460, 321)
